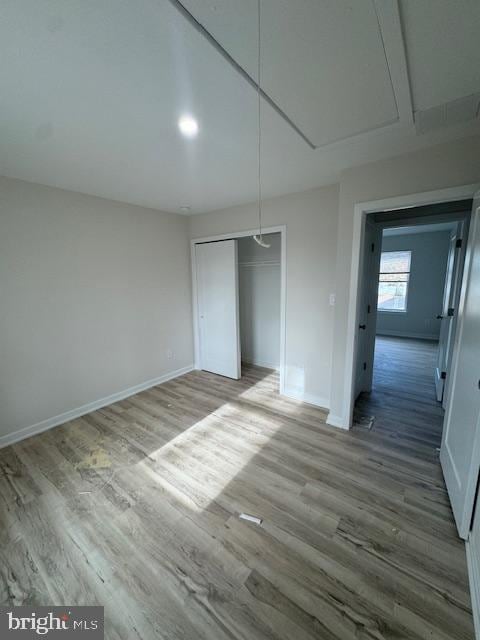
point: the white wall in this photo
(311, 221)
(425, 288)
(259, 289)
(446, 165)
(93, 293)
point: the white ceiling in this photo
(91, 92)
(304, 58)
(442, 45)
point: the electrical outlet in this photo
(331, 300)
(169, 354)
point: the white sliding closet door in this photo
(460, 452)
(218, 309)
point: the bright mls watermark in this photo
(24, 623)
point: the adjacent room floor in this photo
(136, 507)
(403, 401)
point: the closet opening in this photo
(239, 303)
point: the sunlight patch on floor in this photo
(278, 403)
(206, 457)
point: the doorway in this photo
(459, 453)
(243, 296)
(411, 273)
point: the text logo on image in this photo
(26, 622)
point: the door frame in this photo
(465, 234)
(361, 210)
(282, 230)
(463, 526)
(370, 298)
(451, 299)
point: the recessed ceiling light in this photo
(185, 208)
(188, 126)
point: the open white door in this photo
(367, 312)
(218, 310)
(448, 316)
(460, 451)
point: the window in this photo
(393, 281)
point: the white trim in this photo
(361, 209)
(457, 489)
(49, 423)
(283, 305)
(407, 334)
(409, 272)
(238, 234)
(303, 396)
(473, 565)
(260, 363)
(196, 328)
(282, 230)
(336, 421)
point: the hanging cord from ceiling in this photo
(259, 237)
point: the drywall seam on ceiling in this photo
(389, 26)
(240, 70)
(382, 39)
(391, 35)
(391, 31)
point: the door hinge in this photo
(368, 308)
(451, 311)
(364, 366)
(458, 244)
(443, 375)
(373, 247)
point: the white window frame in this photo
(407, 281)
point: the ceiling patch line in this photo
(382, 40)
(240, 70)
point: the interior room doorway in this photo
(411, 274)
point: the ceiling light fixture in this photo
(259, 237)
(188, 126)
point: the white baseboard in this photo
(261, 363)
(49, 423)
(310, 398)
(337, 421)
(473, 564)
(407, 334)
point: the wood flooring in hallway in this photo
(403, 398)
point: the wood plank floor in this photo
(136, 506)
(403, 398)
